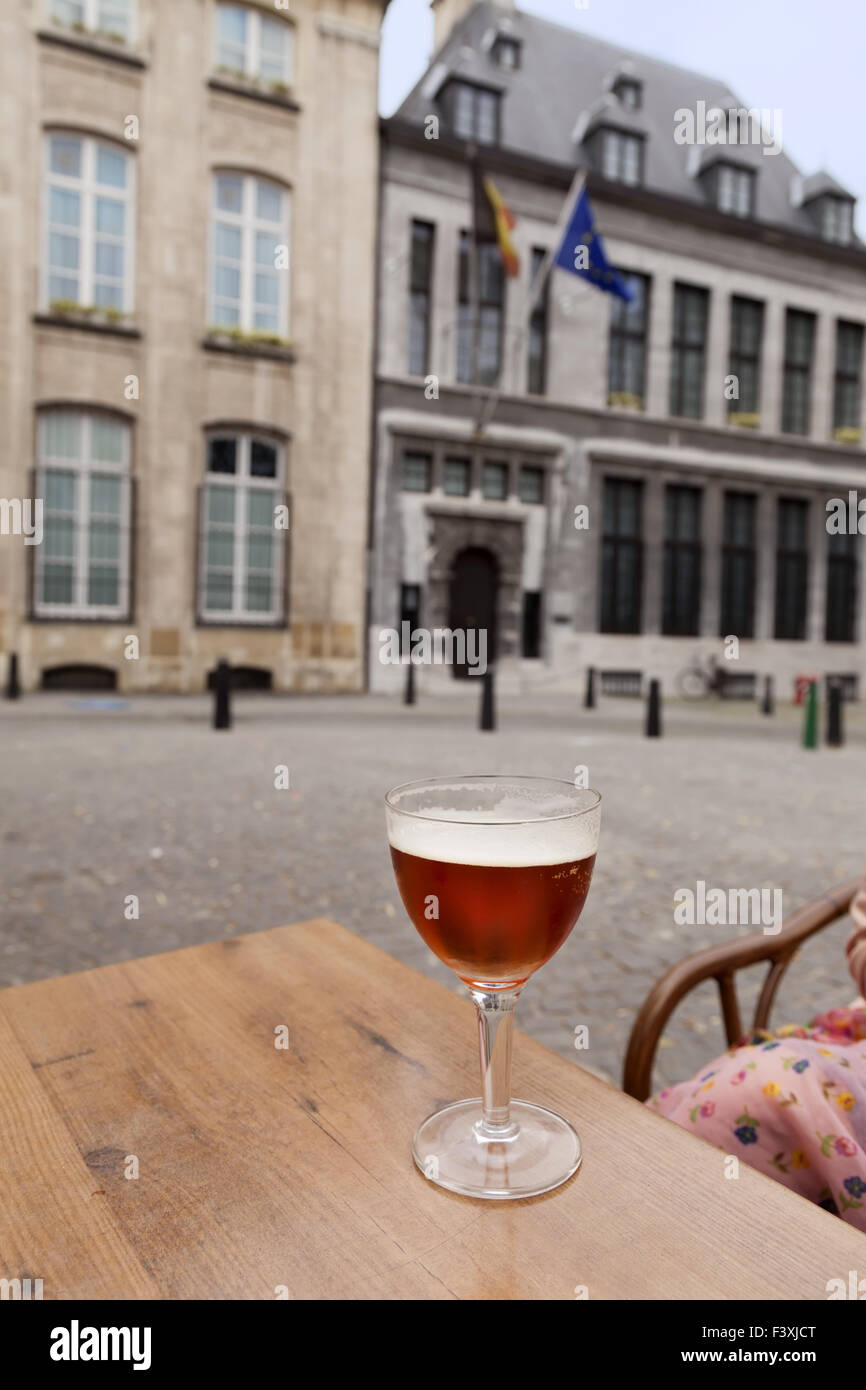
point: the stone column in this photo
(772, 364)
(583, 487)
(716, 367)
(443, 305)
(653, 553)
(765, 601)
(658, 363)
(712, 515)
(823, 370)
(816, 601)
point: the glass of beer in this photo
(494, 872)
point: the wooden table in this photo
(261, 1168)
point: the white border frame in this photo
(243, 483)
(88, 190)
(253, 44)
(248, 225)
(84, 469)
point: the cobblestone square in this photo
(107, 800)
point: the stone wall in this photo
(321, 144)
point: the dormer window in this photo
(836, 219)
(734, 190)
(829, 206)
(506, 52)
(629, 92)
(473, 112)
(621, 156)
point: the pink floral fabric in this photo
(792, 1103)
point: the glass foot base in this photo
(539, 1152)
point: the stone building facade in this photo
(706, 510)
(187, 230)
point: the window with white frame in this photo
(836, 219)
(621, 156)
(735, 190)
(249, 282)
(113, 19)
(474, 112)
(89, 213)
(242, 546)
(629, 92)
(82, 476)
(506, 51)
(251, 44)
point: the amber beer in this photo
(495, 923)
(494, 871)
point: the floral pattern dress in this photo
(792, 1103)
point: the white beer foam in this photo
(470, 839)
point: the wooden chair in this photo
(721, 963)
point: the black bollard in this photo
(654, 710)
(488, 712)
(767, 706)
(589, 698)
(222, 710)
(13, 688)
(835, 735)
(409, 688)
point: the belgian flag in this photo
(494, 221)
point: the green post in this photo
(810, 723)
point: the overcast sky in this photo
(805, 58)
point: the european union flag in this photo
(581, 251)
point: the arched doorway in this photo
(473, 598)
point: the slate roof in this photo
(564, 73)
(822, 182)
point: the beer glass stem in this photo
(495, 1025)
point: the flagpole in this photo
(474, 287)
(495, 392)
(474, 306)
(546, 266)
(535, 289)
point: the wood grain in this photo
(261, 1168)
(55, 1224)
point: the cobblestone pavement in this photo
(145, 798)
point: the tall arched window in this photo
(249, 251)
(242, 534)
(82, 477)
(89, 216)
